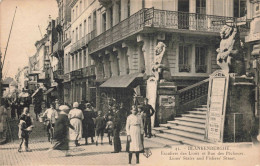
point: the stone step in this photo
(184, 128)
(190, 124)
(198, 112)
(204, 106)
(200, 109)
(188, 119)
(185, 134)
(194, 116)
(180, 139)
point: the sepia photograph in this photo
(130, 82)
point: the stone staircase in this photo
(188, 129)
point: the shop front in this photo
(121, 91)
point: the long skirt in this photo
(75, 134)
(136, 143)
(62, 144)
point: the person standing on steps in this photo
(76, 116)
(147, 108)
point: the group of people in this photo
(81, 121)
(17, 107)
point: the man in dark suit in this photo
(147, 108)
(116, 130)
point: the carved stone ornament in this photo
(230, 56)
(157, 63)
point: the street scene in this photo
(127, 82)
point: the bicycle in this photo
(50, 131)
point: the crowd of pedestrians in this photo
(83, 121)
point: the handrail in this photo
(194, 85)
(192, 93)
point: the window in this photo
(80, 60)
(200, 61)
(94, 20)
(104, 22)
(85, 27)
(239, 8)
(89, 24)
(69, 63)
(201, 6)
(80, 31)
(73, 67)
(119, 10)
(184, 59)
(73, 39)
(111, 16)
(76, 12)
(80, 7)
(128, 8)
(73, 15)
(77, 34)
(85, 59)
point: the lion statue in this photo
(230, 57)
(159, 68)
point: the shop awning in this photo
(48, 91)
(121, 81)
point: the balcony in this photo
(57, 47)
(168, 21)
(58, 74)
(89, 71)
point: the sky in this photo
(25, 32)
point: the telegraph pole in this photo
(2, 64)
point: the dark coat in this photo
(88, 124)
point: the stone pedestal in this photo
(239, 119)
(166, 108)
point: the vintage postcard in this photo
(130, 82)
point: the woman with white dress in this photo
(76, 116)
(134, 130)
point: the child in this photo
(23, 134)
(109, 128)
(100, 126)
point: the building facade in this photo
(124, 33)
(107, 47)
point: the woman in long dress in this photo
(88, 124)
(134, 130)
(61, 129)
(76, 116)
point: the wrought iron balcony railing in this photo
(163, 19)
(57, 47)
(58, 74)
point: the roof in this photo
(121, 81)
